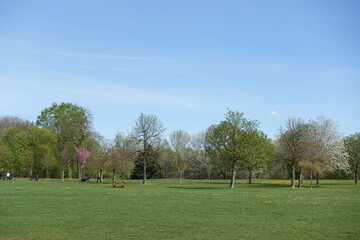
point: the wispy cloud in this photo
(144, 71)
(110, 69)
(17, 63)
(193, 105)
(105, 56)
(275, 113)
(259, 98)
(83, 90)
(88, 55)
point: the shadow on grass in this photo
(242, 184)
(222, 184)
(266, 185)
(226, 186)
(194, 187)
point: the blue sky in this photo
(184, 61)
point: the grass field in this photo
(164, 209)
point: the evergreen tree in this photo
(153, 169)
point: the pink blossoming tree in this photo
(82, 155)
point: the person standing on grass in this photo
(8, 175)
(98, 177)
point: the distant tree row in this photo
(62, 143)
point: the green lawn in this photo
(164, 209)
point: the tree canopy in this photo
(227, 142)
(352, 146)
(73, 126)
(235, 147)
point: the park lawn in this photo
(165, 209)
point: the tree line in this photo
(63, 144)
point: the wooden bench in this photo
(122, 184)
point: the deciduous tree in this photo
(180, 143)
(14, 151)
(73, 126)
(43, 144)
(352, 146)
(259, 153)
(291, 145)
(147, 136)
(227, 142)
(325, 149)
(82, 155)
(199, 165)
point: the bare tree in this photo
(291, 144)
(198, 144)
(146, 133)
(7, 122)
(180, 142)
(119, 160)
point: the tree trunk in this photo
(250, 176)
(78, 169)
(317, 179)
(233, 174)
(293, 176)
(300, 180)
(79, 173)
(101, 175)
(311, 177)
(356, 177)
(113, 177)
(63, 175)
(182, 176)
(69, 173)
(144, 173)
